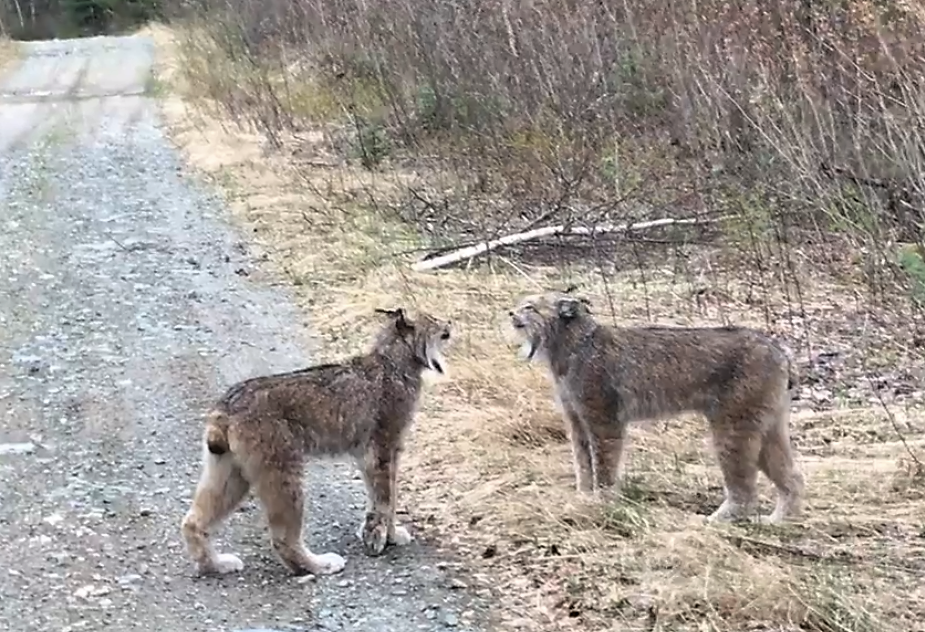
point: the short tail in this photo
(793, 379)
(216, 432)
(793, 374)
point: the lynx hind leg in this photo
(737, 439)
(220, 490)
(280, 492)
(776, 460)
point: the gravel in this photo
(123, 314)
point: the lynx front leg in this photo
(398, 535)
(581, 450)
(608, 440)
(376, 466)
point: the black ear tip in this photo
(569, 308)
(398, 312)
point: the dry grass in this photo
(488, 474)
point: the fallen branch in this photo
(548, 231)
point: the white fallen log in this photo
(548, 231)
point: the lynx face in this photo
(539, 315)
(432, 339)
(428, 337)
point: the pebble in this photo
(16, 448)
(91, 590)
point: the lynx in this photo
(607, 377)
(259, 435)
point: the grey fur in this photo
(260, 432)
(606, 378)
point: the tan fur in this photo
(258, 435)
(606, 378)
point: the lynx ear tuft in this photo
(398, 315)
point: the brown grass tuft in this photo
(488, 471)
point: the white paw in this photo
(400, 536)
(728, 514)
(606, 495)
(328, 564)
(721, 515)
(227, 563)
(360, 530)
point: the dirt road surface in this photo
(126, 307)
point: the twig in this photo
(919, 467)
(520, 271)
(763, 546)
(548, 231)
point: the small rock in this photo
(91, 590)
(457, 584)
(521, 623)
(16, 448)
(129, 579)
(53, 519)
(59, 557)
(450, 619)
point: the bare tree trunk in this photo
(22, 21)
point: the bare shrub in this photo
(800, 123)
(805, 120)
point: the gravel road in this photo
(127, 304)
